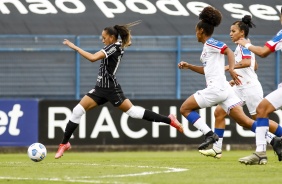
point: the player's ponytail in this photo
(209, 18)
(124, 32)
(245, 24)
(247, 19)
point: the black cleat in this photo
(277, 147)
(208, 140)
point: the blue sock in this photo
(219, 132)
(278, 131)
(193, 117)
(254, 126)
(262, 122)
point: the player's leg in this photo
(88, 102)
(273, 137)
(259, 157)
(79, 110)
(201, 99)
(216, 151)
(220, 115)
(269, 104)
(118, 99)
(238, 115)
(253, 96)
(232, 106)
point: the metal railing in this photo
(160, 54)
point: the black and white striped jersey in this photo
(109, 65)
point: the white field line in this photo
(165, 170)
(170, 170)
(82, 179)
(64, 180)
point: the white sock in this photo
(218, 144)
(261, 138)
(269, 137)
(77, 112)
(202, 126)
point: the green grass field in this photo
(137, 168)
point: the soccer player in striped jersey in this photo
(250, 91)
(269, 104)
(107, 88)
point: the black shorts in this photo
(103, 95)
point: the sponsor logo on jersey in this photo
(111, 51)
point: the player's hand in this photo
(183, 65)
(232, 83)
(68, 43)
(243, 41)
(235, 77)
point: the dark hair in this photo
(245, 24)
(209, 18)
(122, 31)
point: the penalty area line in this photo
(165, 169)
(89, 179)
(169, 170)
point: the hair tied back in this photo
(247, 19)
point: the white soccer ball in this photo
(37, 152)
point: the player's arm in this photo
(258, 50)
(231, 61)
(87, 55)
(244, 63)
(197, 69)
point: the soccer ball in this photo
(37, 152)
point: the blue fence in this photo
(40, 66)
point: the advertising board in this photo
(160, 17)
(107, 125)
(18, 122)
